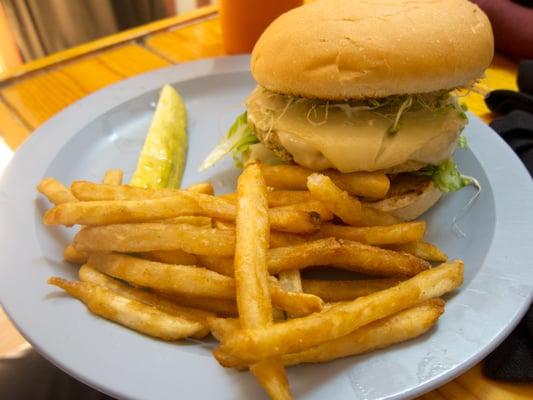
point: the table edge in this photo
(108, 41)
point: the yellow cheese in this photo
(303, 153)
(324, 136)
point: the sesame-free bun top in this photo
(341, 49)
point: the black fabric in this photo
(513, 359)
(517, 130)
(525, 78)
(505, 101)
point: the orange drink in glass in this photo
(243, 21)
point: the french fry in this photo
(310, 206)
(130, 313)
(335, 199)
(285, 220)
(221, 307)
(289, 280)
(337, 290)
(272, 377)
(137, 238)
(297, 304)
(165, 256)
(347, 208)
(367, 184)
(220, 327)
(71, 255)
(186, 280)
(339, 253)
(109, 199)
(224, 225)
(280, 198)
(405, 325)
(202, 187)
(180, 279)
(375, 235)
(293, 221)
(282, 239)
(277, 238)
(277, 198)
(132, 205)
(227, 308)
(251, 273)
(178, 257)
(229, 197)
(347, 255)
(140, 238)
(424, 250)
(252, 231)
(213, 206)
(287, 177)
(88, 274)
(307, 254)
(55, 192)
(64, 195)
(196, 220)
(372, 217)
(194, 257)
(106, 212)
(113, 177)
(293, 177)
(299, 334)
(89, 191)
(222, 265)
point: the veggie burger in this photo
(357, 85)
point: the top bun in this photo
(341, 49)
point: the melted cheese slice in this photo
(325, 137)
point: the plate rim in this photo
(136, 86)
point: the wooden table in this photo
(34, 92)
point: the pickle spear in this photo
(162, 159)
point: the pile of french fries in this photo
(175, 264)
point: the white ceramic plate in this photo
(106, 130)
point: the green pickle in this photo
(162, 159)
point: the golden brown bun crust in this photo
(340, 49)
(410, 205)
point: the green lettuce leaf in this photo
(462, 143)
(446, 176)
(236, 141)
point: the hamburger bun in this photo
(412, 204)
(346, 49)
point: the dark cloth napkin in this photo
(513, 359)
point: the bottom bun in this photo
(412, 204)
